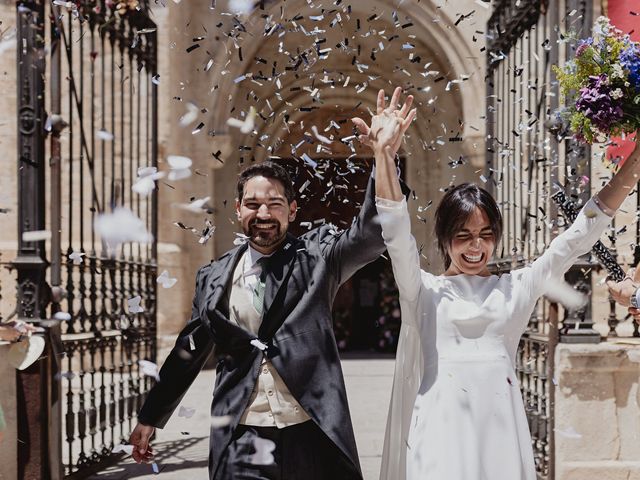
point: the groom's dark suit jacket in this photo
(304, 276)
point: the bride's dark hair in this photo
(454, 210)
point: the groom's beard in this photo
(266, 237)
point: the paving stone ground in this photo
(183, 445)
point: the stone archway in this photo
(440, 69)
(233, 69)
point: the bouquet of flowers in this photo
(601, 85)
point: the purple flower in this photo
(596, 104)
(583, 45)
(630, 60)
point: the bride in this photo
(456, 410)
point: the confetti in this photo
(76, 257)
(121, 226)
(190, 116)
(145, 183)
(240, 239)
(124, 322)
(180, 167)
(241, 7)
(62, 316)
(195, 206)
(258, 344)
(186, 412)
(320, 137)
(245, 125)
(128, 449)
(36, 236)
(222, 421)
(133, 305)
(104, 135)
(165, 280)
(149, 369)
(264, 451)
(568, 432)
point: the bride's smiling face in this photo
(472, 246)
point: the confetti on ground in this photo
(568, 432)
(186, 412)
(128, 449)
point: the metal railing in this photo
(530, 157)
(99, 88)
(109, 104)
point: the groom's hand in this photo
(142, 452)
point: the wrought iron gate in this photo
(101, 88)
(530, 157)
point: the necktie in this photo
(258, 290)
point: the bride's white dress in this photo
(456, 410)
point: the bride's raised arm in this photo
(385, 137)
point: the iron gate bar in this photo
(105, 393)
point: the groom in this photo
(266, 307)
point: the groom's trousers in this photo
(302, 452)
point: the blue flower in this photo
(630, 60)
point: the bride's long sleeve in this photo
(566, 248)
(405, 260)
(396, 231)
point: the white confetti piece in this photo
(180, 167)
(186, 412)
(258, 344)
(222, 421)
(146, 181)
(192, 344)
(76, 257)
(128, 449)
(245, 125)
(63, 316)
(149, 369)
(264, 451)
(568, 432)
(36, 236)
(241, 7)
(309, 161)
(196, 206)
(240, 239)
(124, 322)
(133, 305)
(190, 116)
(320, 137)
(104, 135)
(561, 292)
(165, 280)
(121, 226)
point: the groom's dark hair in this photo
(267, 169)
(455, 208)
